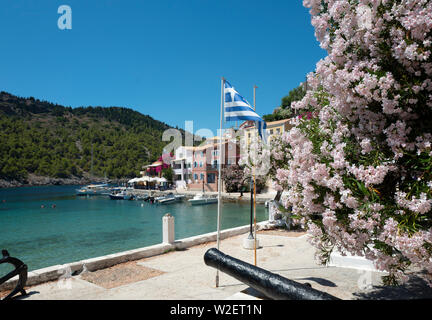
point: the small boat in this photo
(93, 189)
(170, 198)
(157, 199)
(143, 198)
(200, 198)
(120, 194)
(149, 199)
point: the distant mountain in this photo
(42, 139)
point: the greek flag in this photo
(237, 108)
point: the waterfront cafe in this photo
(147, 182)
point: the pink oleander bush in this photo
(358, 176)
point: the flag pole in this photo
(219, 174)
(255, 238)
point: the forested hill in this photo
(44, 139)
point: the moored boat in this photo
(93, 189)
(120, 194)
(200, 199)
(169, 198)
(143, 198)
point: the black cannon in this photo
(271, 285)
(20, 269)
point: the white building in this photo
(183, 163)
(182, 166)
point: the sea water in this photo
(50, 225)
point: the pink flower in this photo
(368, 136)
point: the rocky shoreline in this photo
(34, 180)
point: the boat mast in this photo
(91, 165)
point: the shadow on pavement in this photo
(415, 288)
(321, 281)
(21, 297)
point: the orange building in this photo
(205, 163)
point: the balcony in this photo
(185, 171)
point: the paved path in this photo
(185, 276)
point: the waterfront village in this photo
(351, 216)
(195, 168)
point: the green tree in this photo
(51, 140)
(168, 173)
(284, 111)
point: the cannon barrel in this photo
(270, 284)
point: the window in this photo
(211, 178)
(195, 164)
(202, 176)
(249, 135)
(271, 131)
(201, 164)
(195, 176)
(278, 130)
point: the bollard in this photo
(168, 235)
(249, 242)
(272, 285)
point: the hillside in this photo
(41, 139)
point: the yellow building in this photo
(273, 128)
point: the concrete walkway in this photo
(183, 275)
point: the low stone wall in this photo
(350, 261)
(63, 271)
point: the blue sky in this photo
(164, 58)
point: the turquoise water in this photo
(85, 227)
